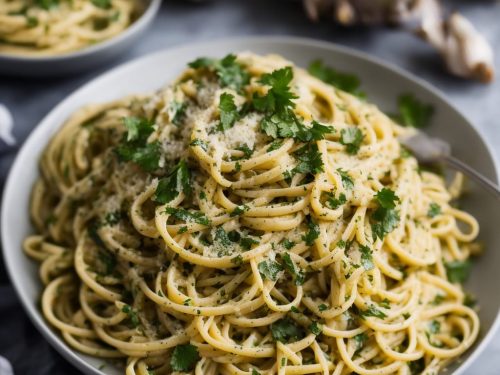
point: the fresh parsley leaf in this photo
(360, 340)
(387, 198)
(343, 81)
(434, 210)
(199, 142)
(351, 138)
(413, 112)
(184, 357)
(247, 242)
(270, 269)
(347, 181)
(147, 157)
(322, 307)
(372, 311)
(135, 147)
(188, 216)
(228, 111)
(113, 218)
(438, 299)
(469, 300)
(31, 21)
(229, 72)
(247, 151)
(239, 210)
(178, 112)
(385, 303)
(295, 271)
(108, 260)
(138, 128)
(275, 145)
(417, 367)
(132, 315)
(315, 328)
(279, 96)
(286, 330)
(104, 4)
(223, 238)
(458, 271)
(255, 372)
(47, 4)
(334, 202)
(434, 327)
(287, 244)
(309, 159)
(312, 233)
(177, 181)
(366, 257)
(385, 216)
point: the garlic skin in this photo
(465, 51)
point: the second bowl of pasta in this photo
(41, 38)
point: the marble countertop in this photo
(181, 22)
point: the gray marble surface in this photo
(181, 22)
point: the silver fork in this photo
(432, 150)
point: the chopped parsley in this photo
(189, 216)
(176, 182)
(351, 138)
(286, 330)
(434, 210)
(184, 357)
(313, 232)
(360, 340)
(104, 4)
(287, 244)
(108, 260)
(229, 72)
(178, 112)
(247, 151)
(199, 142)
(385, 216)
(280, 121)
(239, 210)
(296, 272)
(458, 271)
(372, 311)
(334, 202)
(322, 307)
(228, 111)
(270, 269)
(135, 147)
(316, 328)
(132, 315)
(434, 327)
(309, 159)
(413, 112)
(247, 242)
(347, 181)
(275, 145)
(344, 81)
(366, 257)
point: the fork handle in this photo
(489, 185)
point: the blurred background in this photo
(180, 22)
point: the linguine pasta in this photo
(249, 219)
(53, 27)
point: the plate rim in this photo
(36, 316)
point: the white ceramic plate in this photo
(382, 83)
(84, 59)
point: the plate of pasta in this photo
(52, 37)
(245, 207)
